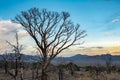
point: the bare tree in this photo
(52, 32)
(16, 59)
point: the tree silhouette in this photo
(52, 32)
(16, 59)
(72, 67)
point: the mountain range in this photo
(77, 59)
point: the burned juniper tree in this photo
(15, 58)
(52, 32)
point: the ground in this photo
(78, 75)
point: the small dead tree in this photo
(52, 32)
(16, 59)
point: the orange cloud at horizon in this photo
(113, 50)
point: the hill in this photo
(77, 59)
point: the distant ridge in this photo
(24, 57)
(78, 59)
(90, 60)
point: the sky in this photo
(100, 18)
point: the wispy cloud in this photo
(98, 47)
(108, 33)
(91, 48)
(112, 22)
(114, 50)
(115, 20)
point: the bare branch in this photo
(53, 32)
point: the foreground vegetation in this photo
(70, 71)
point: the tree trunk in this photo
(6, 67)
(21, 76)
(16, 67)
(60, 74)
(44, 75)
(37, 72)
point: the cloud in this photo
(116, 53)
(7, 25)
(96, 50)
(92, 48)
(108, 33)
(7, 28)
(115, 20)
(7, 32)
(112, 23)
(82, 47)
(98, 47)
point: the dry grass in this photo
(78, 75)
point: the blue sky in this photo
(100, 18)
